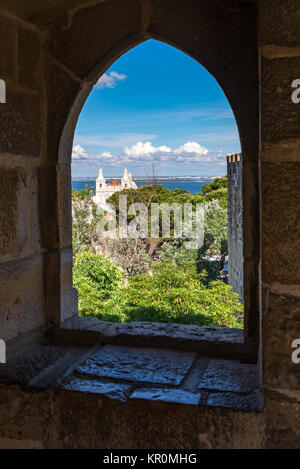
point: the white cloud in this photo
(143, 152)
(191, 147)
(110, 80)
(106, 155)
(79, 153)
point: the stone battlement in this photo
(234, 158)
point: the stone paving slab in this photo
(232, 376)
(119, 391)
(177, 396)
(230, 400)
(138, 364)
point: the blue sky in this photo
(155, 103)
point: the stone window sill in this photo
(125, 371)
(217, 342)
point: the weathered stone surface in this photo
(181, 331)
(251, 403)
(119, 391)
(277, 76)
(214, 341)
(62, 298)
(235, 224)
(223, 399)
(272, 13)
(84, 420)
(138, 364)
(282, 421)
(280, 234)
(13, 220)
(61, 92)
(64, 205)
(22, 301)
(10, 443)
(54, 374)
(7, 58)
(34, 228)
(222, 375)
(28, 59)
(285, 151)
(177, 396)
(20, 124)
(225, 42)
(32, 411)
(47, 190)
(125, 21)
(222, 35)
(279, 331)
(29, 363)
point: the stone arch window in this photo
(222, 57)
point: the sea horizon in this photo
(191, 185)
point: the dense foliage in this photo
(172, 294)
(155, 279)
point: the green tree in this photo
(212, 254)
(218, 183)
(172, 294)
(84, 219)
(96, 280)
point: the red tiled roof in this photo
(114, 183)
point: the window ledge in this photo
(217, 342)
(126, 374)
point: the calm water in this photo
(190, 186)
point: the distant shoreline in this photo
(162, 178)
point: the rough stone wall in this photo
(51, 54)
(22, 300)
(235, 223)
(280, 209)
(35, 253)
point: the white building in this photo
(104, 190)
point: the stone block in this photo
(62, 91)
(280, 223)
(10, 443)
(100, 35)
(31, 411)
(20, 124)
(64, 205)
(138, 364)
(251, 403)
(28, 58)
(22, 303)
(173, 395)
(281, 327)
(272, 13)
(13, 219)
(119, 391)
(47, 189)
(232, 376)
(280, 117)
(34, 233)
(223, 42)
(284, 151)
(62, 298)
(8, 49)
